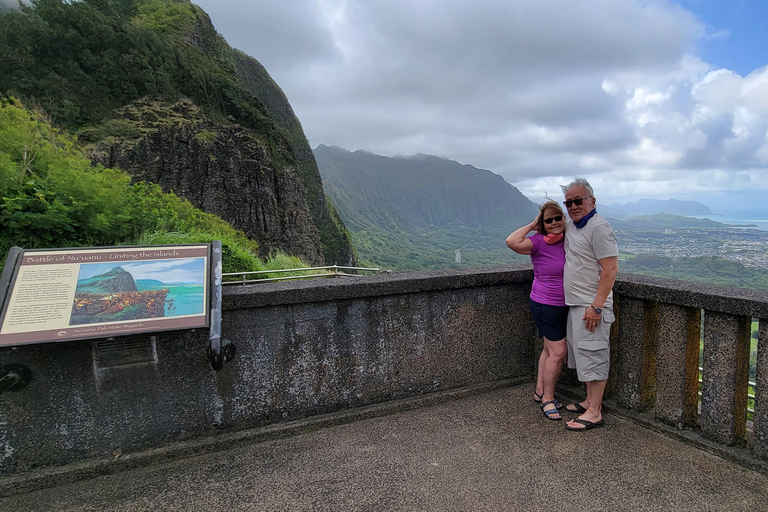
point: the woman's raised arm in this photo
(518, 242)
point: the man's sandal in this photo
(577, 407)
(548, 414)
(587, 425)
(558, 403)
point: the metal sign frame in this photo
(54, 295)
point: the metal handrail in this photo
(334, 268)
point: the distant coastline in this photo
(745, 219)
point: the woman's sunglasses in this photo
(577, 202)
(557, 218)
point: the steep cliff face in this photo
(335, 238)
(220, 168)
(419, 191)
(231, 145)
(335, 241)
(332, 238)
(115, 280)
(419, 212)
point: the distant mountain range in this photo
(414, 212)
(652, 206)
(420, 190)
(663, 221)
(150, 284)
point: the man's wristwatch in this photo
(597, 310)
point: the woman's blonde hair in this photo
(549, 205)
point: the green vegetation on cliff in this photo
(414, 213)
(84, 61)
(51, 196)
(81, 60)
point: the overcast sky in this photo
(645, 98)
(619, 91)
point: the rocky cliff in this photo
(289, 156)
(150, 87)
(220, 168)
(263, 181)
(335, 238)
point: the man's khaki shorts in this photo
(589, 352)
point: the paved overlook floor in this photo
(493, 451)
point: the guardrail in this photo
(335, 271)
(309, 348)
(664, 326)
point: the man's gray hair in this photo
(578, 182)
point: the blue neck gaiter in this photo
(583, 222)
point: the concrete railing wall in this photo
(303, 348)
(312, 347)
(656, 349)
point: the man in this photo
(591, 264)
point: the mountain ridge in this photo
(424, 189)
(653, 206)
(666, 220)
(414, 212)
(115, 280)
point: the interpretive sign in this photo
(67, 294)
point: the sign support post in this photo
(220, 350)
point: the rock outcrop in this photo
(116, 280)
(150, 87)
(337, 244)
(255, 170)
(220, 168)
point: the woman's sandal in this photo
(548, 414)
(558, 403)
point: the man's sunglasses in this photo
(557, 218)
(577, 202)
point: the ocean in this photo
(187, 300)
(758, 218)
(182, 299)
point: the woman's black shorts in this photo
(550, 320)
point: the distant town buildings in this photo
(747, 246)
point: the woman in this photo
(547, 297)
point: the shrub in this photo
(51, 196)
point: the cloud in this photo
(11, 4)
(283, 36)
(534, 91)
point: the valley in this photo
(743, 245)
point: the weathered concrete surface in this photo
(722, 299)
(725, 377)
(760, 425)
(494, 451)
(302, 349)
(309, 348)
(678, 365)
(638, 335)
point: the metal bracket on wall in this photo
(14, 377)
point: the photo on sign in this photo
(117, 292)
